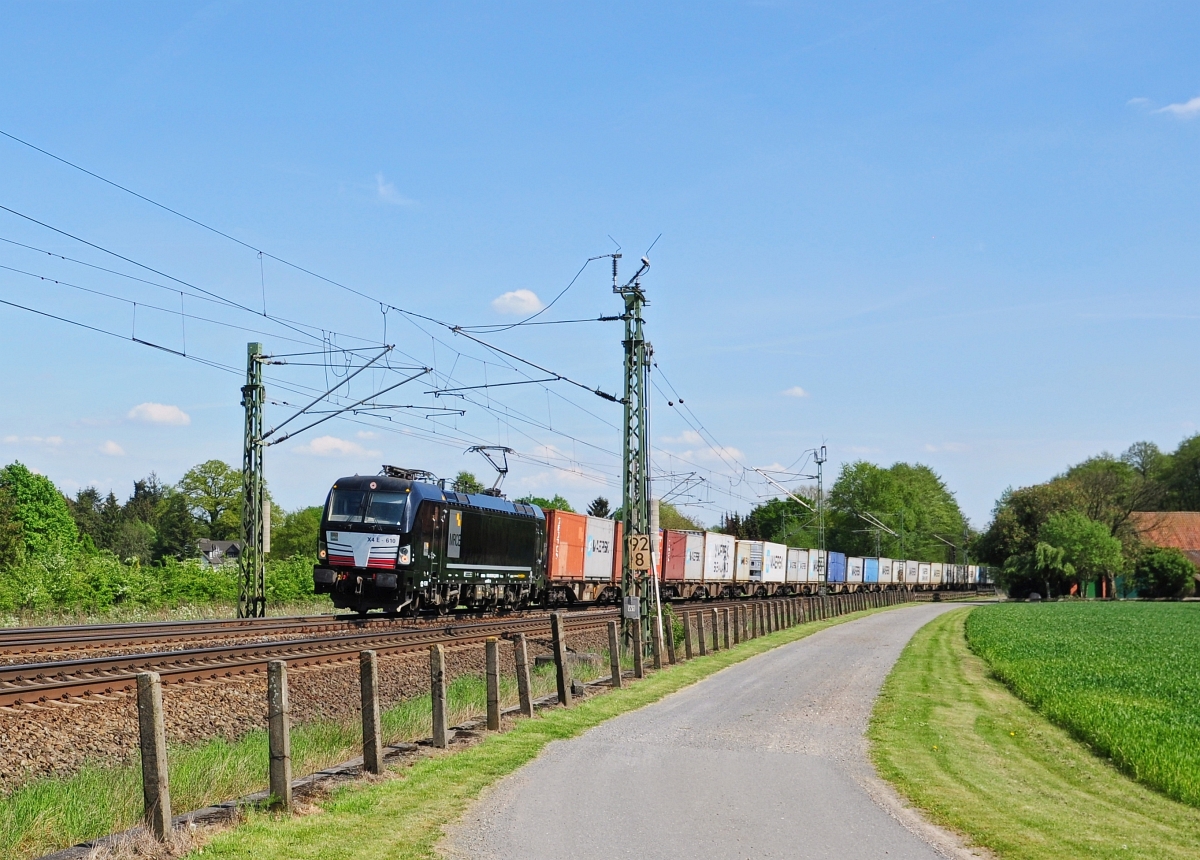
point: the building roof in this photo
(1178, 529)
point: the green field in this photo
(1124, 678)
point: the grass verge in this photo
(403, 817)
(960, 746)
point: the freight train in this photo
(401, 542)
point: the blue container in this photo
(837, 567)
(870, 570)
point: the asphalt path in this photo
(764, 759)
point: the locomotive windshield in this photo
(359, 506)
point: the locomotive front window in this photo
(345, 506)
(386, 508)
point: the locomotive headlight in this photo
(322, 554)
(404, 555)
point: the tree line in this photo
(1078, 528)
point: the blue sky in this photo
(932, 232)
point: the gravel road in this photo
(764, 759)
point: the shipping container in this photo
(871, 570)
(567, 538)
(742, 569)
(797, 567)
(718, 557)
(854, 569)
(693, 570)
(885, 571)
(935, 573)
(837, 567)
(912, 572)
(674, 555)
(923, 573)
(774, 562)
(599, 548)
(817, 562)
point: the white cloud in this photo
(952, 447)
(862, 450)
(388, 194)
(112, 449)
(687, 437)
(795, 391)
(367, 434)
(517, 302)
(1186, 109)
(332, 446)
(51, 441)
(160, 413)
(1138, 101)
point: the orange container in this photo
(674, 554)
(566, 536)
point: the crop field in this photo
(1123, 678)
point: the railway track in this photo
(75, 681)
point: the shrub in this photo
(1163, 572)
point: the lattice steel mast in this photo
(635, 472)
(252, 583)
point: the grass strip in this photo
(960, 746)
(1121, 677)
(403, 817)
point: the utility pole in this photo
(252, 584)
(635, 448)
(820, 460)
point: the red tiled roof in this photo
(1180, 529)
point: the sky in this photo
(949, 233)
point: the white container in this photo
(749, 561)
(797, 566)
(972, 573)
(854, 569)
(912, 572)
(885, 571)
(818, 562)
(693, 559)
(923, 573)
(774, 562)
(935, 573)
(599, 546)
(718, 557)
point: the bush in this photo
(1163, 572)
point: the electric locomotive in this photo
(400, 542)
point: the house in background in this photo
(215, 553)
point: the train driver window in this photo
(345, 506)
(386, 508)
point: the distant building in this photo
(1178, 529)
(215, 553)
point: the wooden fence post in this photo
(687, 635)
(152, 736)
(437, 692)
(368, 683)
(725, 625)
(563, 671)
(491, 664)
(521, 660)
(279, 734)
(670, 633)
(716, 631)
(656, 643)
(699, 613)
(614, 654)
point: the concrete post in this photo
(279, 734)
(716, 631)
(491, 664)
(368, 683)
(639, 658)
(656, 644)
(614, 654)
(152, 735)
(687, 635)
(521, 661)
(563, 671)
(437, 692)
(725, 625)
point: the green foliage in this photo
(599, 507)
(1088, 545)
(910, 499)
(176, 535)
(670, 517)
(558, 503)
(12, 543)
(465, 482)
(40, 512)
(1044, 571)
(298, 533)
(1163, 572)
(1120, 676)
(213, 490)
